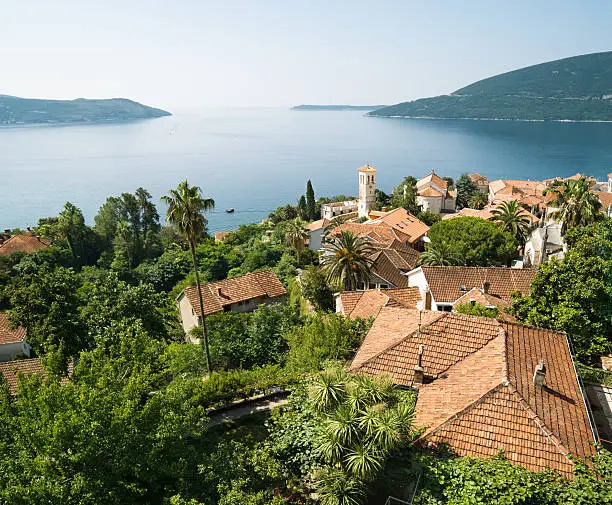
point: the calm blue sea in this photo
(256, 159)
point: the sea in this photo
(255, 159)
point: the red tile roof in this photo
(402, 221)
(8, 335)
(368, 303)
(445, 282)
(11, 369)
(220, 235)
(433, 178)
(376, 233)
(22, 243)
(366, 168)
(478, 295)
(479, 397)
(431, 192)
(219, 294)
(317, 225)
(605, 198)
(476, 177)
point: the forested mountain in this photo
(15, 110)
(577, 88)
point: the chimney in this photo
(539, 375)
(419, 371)
(486, 286)
(383, 209)
(218, 290)
(28, 228)
(38, 237)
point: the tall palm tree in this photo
(346, 259)
(575, 203)
(296, 236)
(185, 211)
(513, 219)
(439, 255)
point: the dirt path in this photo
(243, 410)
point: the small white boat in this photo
(230, 210)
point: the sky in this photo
(184, 54)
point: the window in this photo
(384, 286)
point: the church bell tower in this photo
(367, 190)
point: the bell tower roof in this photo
(367, 168)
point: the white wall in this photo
(8, 351)
(315, 242)
(188, 316)
(430, 203)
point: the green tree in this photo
(511, 218)
(429, 218)
(80, 238)
(45, 302)
(478, 201)
(405, 195)
(476, 309)
(466, 189)
(315, 288)
(440, 255)
(346, 260)
(575, 294)
(302, 208)
(362, 419)
(574, 203)
(476, 241)
(296, 235)
(185, 207)
(310, 201)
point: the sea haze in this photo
(256, 159)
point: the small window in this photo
(384, 286)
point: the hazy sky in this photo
(181, 53)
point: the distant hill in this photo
(576, 89)
(14, 111)
(337, 107)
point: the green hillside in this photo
(577, 88)
(14, 110)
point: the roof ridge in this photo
(441, 316)
(456, 415)
(539, 422)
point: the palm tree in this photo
(185, 211)
(574, 202)
(296, 236)
(439, 255)
(478, 200)
(513, 219)
(346, 258)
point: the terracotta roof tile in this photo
(219, 294)
(605, 198)
(366, 168)
(7, 334)
(479, 296)
(317, 225)
(11, 369)
(220, 235)
(445, 282)
(391, 326)
(476, 177)
(433, 178)
(368, 303)
(374, 232)
(481, 397)
(22, 243)
(402, 221)
(431, 192)
(384, 267)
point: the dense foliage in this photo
(575, 294)
(475, 242)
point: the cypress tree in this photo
(310, 201)
(303, 211)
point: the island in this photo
(31, 111)
(571, 89)
(338, 107)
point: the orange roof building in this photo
(22, 243)
(12, 340)
(433, 194)
(441, 287)
(11, 370)
(240, 294)
(404, 222)
(478, 387)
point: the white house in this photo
(434, 196)
(317, 231)
(335, 209)
(12, 341)
(240, 294)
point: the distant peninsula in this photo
(338, 107)
(30, 111)
(571, 89)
